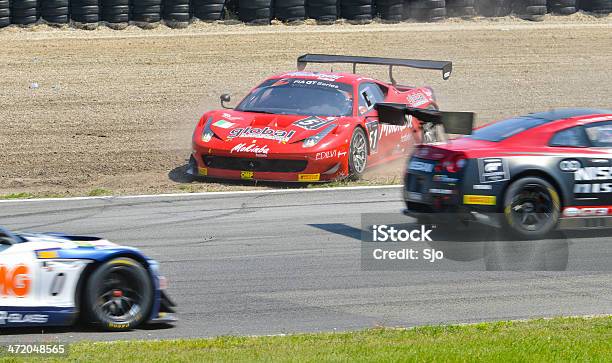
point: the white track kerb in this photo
(204, 194)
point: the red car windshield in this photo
(502, 130)
(297, 96)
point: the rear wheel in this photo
(531, 208)
(358, 154)
(119, 294)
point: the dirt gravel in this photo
(113, 111)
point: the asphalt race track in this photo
(285, 262)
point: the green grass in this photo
(543, 340)
(99, 192)
(17, 196)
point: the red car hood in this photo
(236, 127)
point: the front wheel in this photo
(358, 154)
(531, 208)
(119, 294)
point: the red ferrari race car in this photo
(310, 126)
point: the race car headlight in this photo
(315, 139)
(207, 132)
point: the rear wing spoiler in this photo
(453, 122)
(445, 66)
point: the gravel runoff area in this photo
(103, 111)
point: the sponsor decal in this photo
(203, 171)
(444, 179)
(415, 196)
(417, 99)
(312, 123)
(250, 148)
(420, 166)
(482, 187)
(304, 82)
(373, 128)
(246, 175)
(593, 173)
(479, 199)
(440, 191)
(587, 211)
(259, 133)
(493, 170)
(230, 117)
(224, 124)
(320, 76)
(7, 317)
(14, 281)
(326, 154)
(309, 177)
(570, 165)
(46, 254)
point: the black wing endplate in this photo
(445, 66)
(460, 123)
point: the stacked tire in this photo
(598, 7)
(428, 10)
(24, 12)
(562, 7)
(208, 10)
(55, 12)
(146, 13)
(357, 11)
(176, 13)
(116, 13)
(86, 12)
(391, 10)
(494, 8)
(323, 11)
(461, 8)
(290, 11)
(532, 10)
(255, 12)
(5, 13)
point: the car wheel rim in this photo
(532, 207)
(359, 153)
(119, 298)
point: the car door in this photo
(381, 138)
(587, 168)
(18, 288)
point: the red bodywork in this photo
(258, 158)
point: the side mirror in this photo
(225, 98)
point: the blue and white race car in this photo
(55, 280)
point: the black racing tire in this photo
(146, 11)
(358, 10)
(176, 11)
(119, 295)
(494, 8)
(358, 154)
(390, 10)
(569, 10)
(290, 10)
(531, 208)
(324, 11)
(255, 11)
(209, 10)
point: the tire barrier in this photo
(428, 10)
(208, 10)
(115, 11)
(323, 11)
(256, 12)
(5, 13)
(461, 8)
(55, 11)
(390, 10)
(290, 11)
(358, 11)
(24, 12)
(600, 7)
(494, 8)
(85, 11)
(176, 13)
(532, 10)
(562, 7)
(146, 13)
